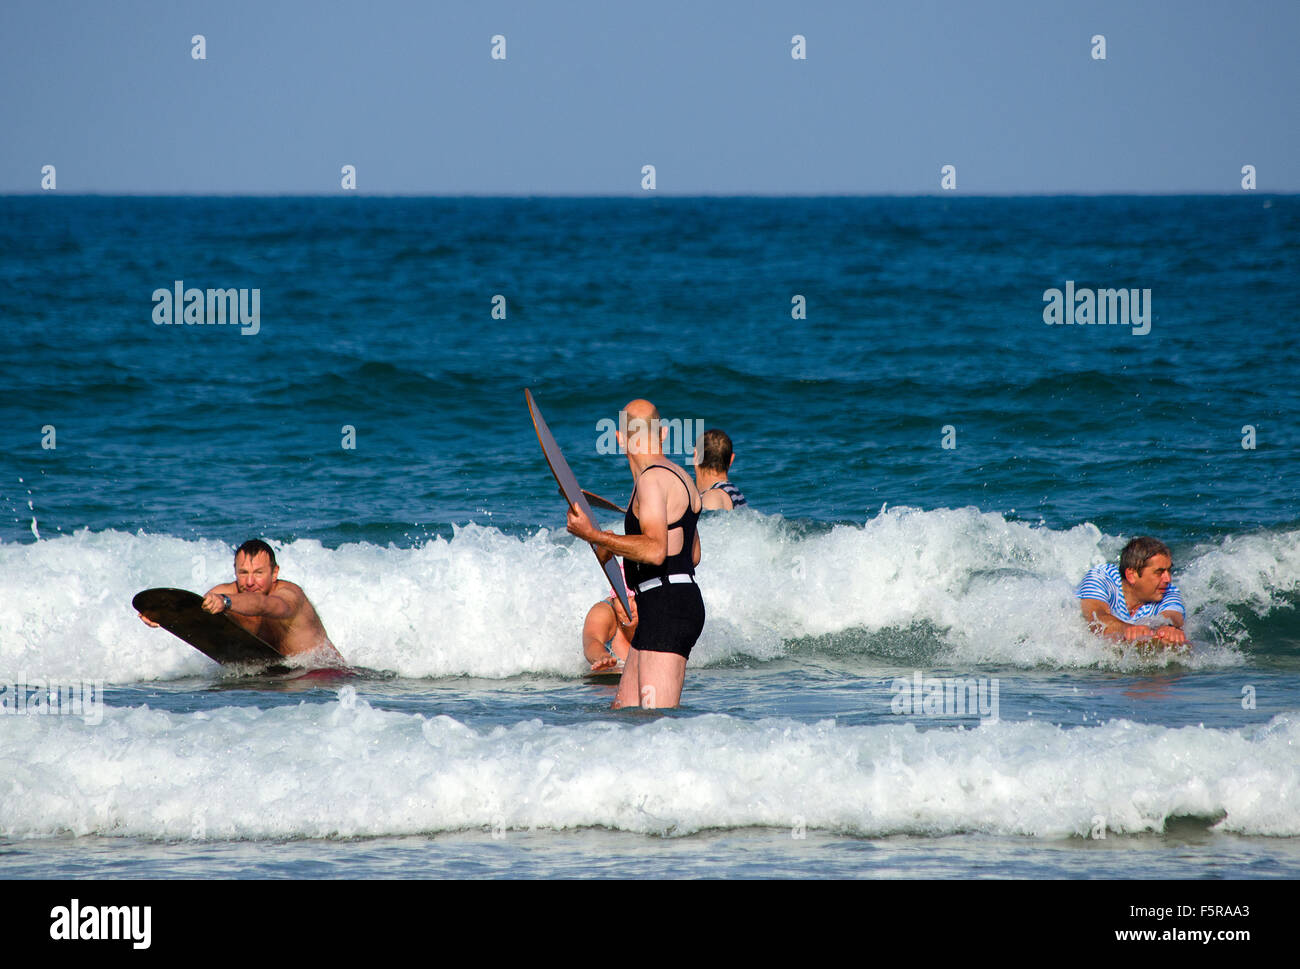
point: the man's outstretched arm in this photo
(1098, 616)
(1105, 623)
(277, 605)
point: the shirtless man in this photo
(1115, 601)
(660, 551)
(713, 458)
(269, 607)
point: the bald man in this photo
(660, 551)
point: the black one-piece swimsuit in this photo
(670, 615)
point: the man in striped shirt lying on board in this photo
(1119, 602)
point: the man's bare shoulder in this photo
(289, 590)
(225, 588)
(715, 500)
(687, 479)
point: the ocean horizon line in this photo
(632, 195)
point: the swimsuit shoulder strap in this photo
(681, 482)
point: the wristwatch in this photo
(226, 599)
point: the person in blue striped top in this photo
(1120, 602)
(713, 459)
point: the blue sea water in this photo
(931, 466)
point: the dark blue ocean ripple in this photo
(376, 314)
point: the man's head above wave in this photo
(255, 547)
(255, 568)
(1149, 583)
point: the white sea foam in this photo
(493, 605)
(346, 769)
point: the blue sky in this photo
(707, 92)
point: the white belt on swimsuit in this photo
(656, 582)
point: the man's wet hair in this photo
(255, 547)
(715, 451)
(1139, 551)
